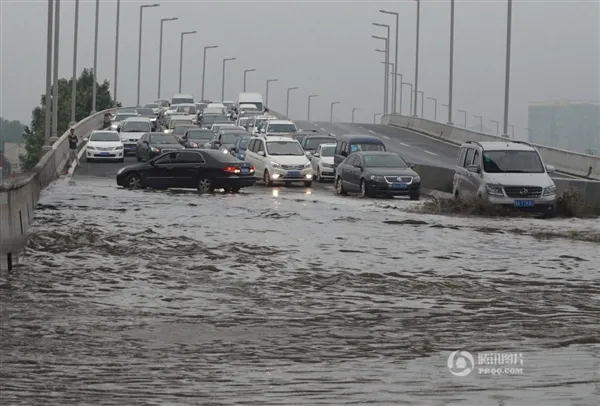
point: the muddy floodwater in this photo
(292, 296)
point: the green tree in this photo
(10, 131)
(34, 134)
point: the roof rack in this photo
(474, 142)
(522, 142)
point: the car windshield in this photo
(230, 139)
(384, 161)
(136, 127)
(228, 105)
(300, 138)
(366, 147)
(282, 128)
(105, 136)
(313, 143)
(182, 101)
(145, 112)
(327, 151)
(512, 162)
(201, 106)
(179, 123)
(201, 135)
(187, 109)
(152, 106)
(244, 143)
(284, 148)
(121, 117)
(180, 129)
(163, 139)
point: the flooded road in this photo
(291, 296)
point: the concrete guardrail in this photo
(18, 198)
(565, 161)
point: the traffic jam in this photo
(211, 146)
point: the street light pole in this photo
(48, 112)
(331, 111)
(410, 112)
(395, 81)
(267, 91)
(287, 103)
(422, 101)
(385, 73)
(223, 78)
(55, 68)
(434, 107)
(160, 46)
(353, 110)
(400, 99)
(480, 123)
(117, 51)
(507, 69)
(375, 117)
(465, 113)
(204, 67)
(451, 72)
(417, 55)
(497, 126)
(142, 7)
(181, 56)
(74, 84)
(310, 97)
(245, 72)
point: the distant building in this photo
(4, 166)
(570, 125)
(11, 154)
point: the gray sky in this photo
(323, 48)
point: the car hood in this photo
(327, 160)
(290, 160)
(391, 171)
(104, 144)
(131, 136)
(134, 167)
(167, 146)
(519, 179)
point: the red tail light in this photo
(232, 169)
(251, 169)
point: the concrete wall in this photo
(19, 197)
(564, 161)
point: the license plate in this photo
(524, 203)
(293, 173)
(399, 186)
(104, 153)
(245, 170)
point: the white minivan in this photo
(251, 98)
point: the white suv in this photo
(509, 173)
(279, 159)
(277, 127)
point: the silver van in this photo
(509, 173)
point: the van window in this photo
(343, 150)
(476, 158)
(252, 146)
(366, 146)
(338, 148)
(469, 157)
(461, 156)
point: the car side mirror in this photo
(316, 155)
(473, 168)
(145, 142)
(261, 153)
(359, 166)
(344, 153)
(411, 166)
(233, 150)
(118, 129)
(550, 169)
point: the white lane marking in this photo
(429, 152)
(372, 132)
(406, 145)
(386, 137)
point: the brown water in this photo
(275, 297)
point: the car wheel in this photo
(307, 183)
(134, 181)
(415, 196)
(364, 191)
(205, 185)
(267, 178)
(339, 188)
(319, 178)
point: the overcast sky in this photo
(323, 47)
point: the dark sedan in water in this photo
(154, 144)
(205, 170)
(377, 173)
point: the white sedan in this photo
(322, 162)
(104, 145)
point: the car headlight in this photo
(120, 147)
(155, 149)
(307, 165)
(193, 145)
(550, 190)
(495, 190)
(242, 156)
(91, 147)
(123, 139)
(225, 151)
(377, 178)
(166, 131)
(416, 179)
(275, 165)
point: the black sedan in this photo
(205, 170)
(154, 144)
(196, 137)
(377, 173)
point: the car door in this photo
(476, 178)
(261, 159)
(356, 171)
(188, 166)
(160, 174)
(458, 170)
(139, 152)
(346, 173)
(340, 154)
(250, 154)
(467, 186)
(316, 158)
